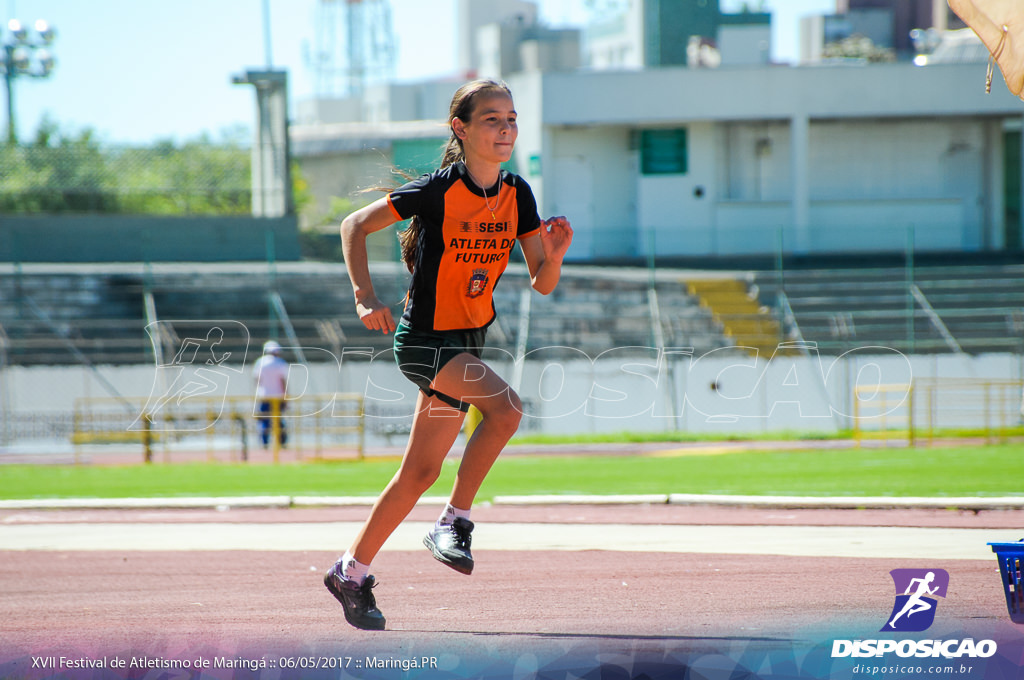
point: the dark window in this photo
(663, 152)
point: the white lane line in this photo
(962, 502)
(888, 542)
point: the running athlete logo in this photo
(196, 380)
(914, 610)
(477, 283)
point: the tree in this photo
(858, 47)
(62, 172)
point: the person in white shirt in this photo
(271, 376)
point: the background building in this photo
(657, 33)
(719, 153)
(888, 24)
(807, 161)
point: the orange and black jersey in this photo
(464, 246)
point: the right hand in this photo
(375, 315)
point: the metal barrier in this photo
(889, 408)
(939, 407)
(302, 425)
(985, 408)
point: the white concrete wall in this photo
(677, 95)
(742, 45)
(872, 187)
(595, 185)
(527, 94)
(756, 163)
(567, 392)
(675, 213)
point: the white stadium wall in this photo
(566, 392)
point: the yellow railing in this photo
(310, 424)
(982, 408)
(883, 412)
(939, 407)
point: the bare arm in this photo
(544, 252)
(374, 314)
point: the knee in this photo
(418, 477)
(505, 414)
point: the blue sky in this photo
(140, 71)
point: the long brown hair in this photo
(463, 103)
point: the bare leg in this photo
(468, 378)
(988, 18)
(434, 430)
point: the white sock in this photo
(353, 570)
(450, 514)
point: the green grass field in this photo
(956, 471)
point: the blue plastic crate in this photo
(1011, 571)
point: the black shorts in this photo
(422, 354)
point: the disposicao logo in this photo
(916, 592)
(912, 612)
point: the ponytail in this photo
(409, 238)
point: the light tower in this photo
(355, 46)
(24, 54)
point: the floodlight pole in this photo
(12, 136)
(24, 56)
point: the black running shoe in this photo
(450, 544)
(358, 601)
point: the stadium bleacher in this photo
(971, 309)
(69, 314)
(49, 316)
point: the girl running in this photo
(466, 218)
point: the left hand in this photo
(555, 236)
